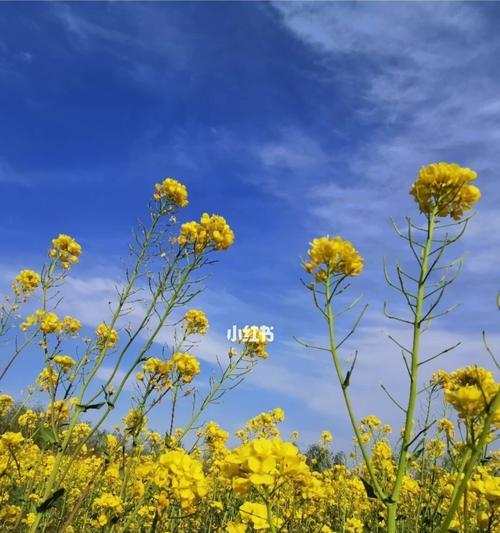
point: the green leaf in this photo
(50, 501)
(47, 435)
(89, 406)
(369, 489)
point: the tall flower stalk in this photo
(441, 190)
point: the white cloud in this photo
(379, 361)
(431, 87)
(293, 151)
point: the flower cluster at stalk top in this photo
(486, 485)
(187, 365)
(445, 189)
(331, 256)
(64, 362)
(211, 232)
(469, 390)
(26, 282)
(66, 250)
(255, 341)
(195, 322)
(172, 191)
(158, 372)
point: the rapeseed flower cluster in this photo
(469, 390)
(182, 477)
(254, 341)
(195, 322)
(173, 191)
(108, 507)
(106, 337)
(265, 463)
(64, 362)
(212, 232)
(186, 365)
(65, 250)
(49, 322)
(255, 514)
(159, 373)
(333, 256)
(445, 188)
(26, 282)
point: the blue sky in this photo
(292, 120)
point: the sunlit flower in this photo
(26, 282)
(195, 321)
(256, 515)
(444, 188)
(173, 191)
(255, 341)
(66, 250)
(332, 256)
(470, 390)
(106, 336)
(65, 362)
(211, 232)
(187, 366)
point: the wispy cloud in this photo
(427, 85)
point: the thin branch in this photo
(306, 345)
(429, 359)
(384, 388)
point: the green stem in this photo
(227, 373)
(414, 367)
(145, 348)
(347, 400)
(26, 343)
(272, 529)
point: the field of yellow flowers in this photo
(59, 473)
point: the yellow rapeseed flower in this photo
(256, 515)
(195, 321)
(182, 476)
(106, 337)
(66, 250)
(187, 366)
(255, 341)
(333, 256)
(65, 362)
(469, 390)
(26, 282)
(445, 189)
(211, 232)
(172, 191)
